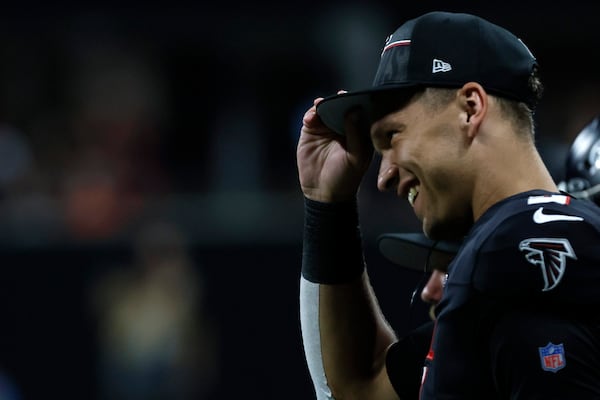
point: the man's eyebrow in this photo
(379, 136)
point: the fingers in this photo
(311, 114)
(311, 120)
(356, 121)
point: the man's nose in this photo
(388, 178)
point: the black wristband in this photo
(332, 248)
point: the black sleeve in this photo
(404, 361)
(543, 355)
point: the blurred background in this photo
(150, 216)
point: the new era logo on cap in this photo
(440, 66)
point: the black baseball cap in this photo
(416, 251)
(442, 49)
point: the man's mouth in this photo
(413, 192)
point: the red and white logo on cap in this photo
(389, 44)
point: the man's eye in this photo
(391, 134)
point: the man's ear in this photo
(474, 103)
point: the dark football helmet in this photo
(582, 172)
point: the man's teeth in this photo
(412, 195)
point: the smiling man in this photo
(451, 114)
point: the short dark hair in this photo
(519, 113)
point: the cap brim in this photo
(416, 251)
(333, 109)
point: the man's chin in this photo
(454, 231)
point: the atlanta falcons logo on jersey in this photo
(550, 254)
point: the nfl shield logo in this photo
(552, 357)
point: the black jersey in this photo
(520, 313)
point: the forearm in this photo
(354, 333)
(345, 335)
